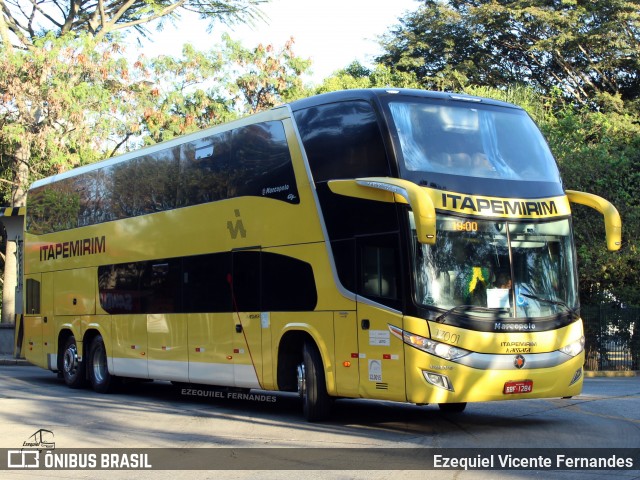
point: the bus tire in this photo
(312, 388)
(101, 380)
(72, 368)
(452, 407)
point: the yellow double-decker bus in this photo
(399, 245)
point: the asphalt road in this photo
(159, 415)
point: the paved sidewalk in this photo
(7, 359)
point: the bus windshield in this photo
(519, 269)
(471, 140)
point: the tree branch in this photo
(119, 144)
(13, 25)
(113, 22)
(73, 11)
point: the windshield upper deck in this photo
(472, 148)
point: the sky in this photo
(332, 33)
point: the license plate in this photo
(520, 386)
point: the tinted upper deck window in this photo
(253, 160)
(342, 140)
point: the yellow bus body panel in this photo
(475, 385)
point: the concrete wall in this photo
(6, 339)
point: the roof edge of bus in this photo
(315, 100)
(371, 93)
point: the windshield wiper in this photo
(470, 308)
(552, 302)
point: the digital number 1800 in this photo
(466, 226)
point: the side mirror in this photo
(612, 221)
(386, 189)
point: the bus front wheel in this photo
(72, 368)
(101, 380)
(312, 388)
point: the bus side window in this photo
(342, 140)
(32, 297)
(262, 164)
(205, 283)
(379, 276)
(246, 281)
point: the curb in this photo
(611, 373)
(9, 360)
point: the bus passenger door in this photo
(381, 362)
(49, 332)
(378, 286)
(245, 318)
(247, 350)
(32, 322)
(346, 351)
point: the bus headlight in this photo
(438, 349)
(438, 380)
(574, 348)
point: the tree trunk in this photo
(21, 169)
(10, 284)
(21, 172)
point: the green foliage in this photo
(72, 100)
(356, 75)
(588, 51)
(33, 20)
(61, 103)
(600, 153)
(204, 88)
(55, 210)
(537, 106)
(263, 76)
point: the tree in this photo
(22, 23)
(54, 90)
(74, 100)
(32, 26)
(265, 77)
(204, 88)
(356, 75)
(63, 103)
(600, 153)
(588, 51)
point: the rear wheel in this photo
(101, 380)
(452, 407)
(312, 388)
(72, 368)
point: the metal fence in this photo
(612, 337)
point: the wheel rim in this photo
(70, 361)
(99, 366)
(302, 381)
